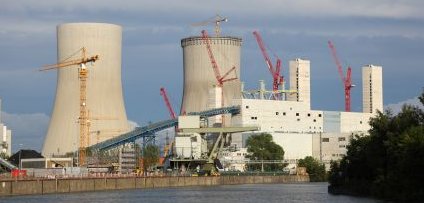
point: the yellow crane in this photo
(217, 20)
(83, 112)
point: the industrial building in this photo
(211, 67)
(100, 96)
(6, 138)
(302, 131)
(285, 114)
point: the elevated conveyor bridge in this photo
(7, 165)
(151, 129)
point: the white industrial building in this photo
(5, 138)
(302, 131)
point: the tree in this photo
(4, 155)
(150, 156)
(314, 168)
(389, 162)
(262, 147)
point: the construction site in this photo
(89, 133)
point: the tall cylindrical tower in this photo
(107, 116)
(199, 77)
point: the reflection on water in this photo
(307, 192)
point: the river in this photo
(305, 192)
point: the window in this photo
(284, 113)
(276, 113)
(315, 120)
(342, 139)
(309, 115)
(326, 139)
(297, 114)
(298, 119)
(342, 146)
(319, 115)
(360, 122)
(247, 107)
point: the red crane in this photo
(168, 146)
(220, 79)
(347, 81)
(277, 78)
(168, 104)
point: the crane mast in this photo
(168, 104)
(83, 118)
(277, 78)
(217, 20)
(347, 81)
(219, 79)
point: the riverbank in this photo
(70, 185)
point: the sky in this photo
(389, 33)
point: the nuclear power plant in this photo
(104, 100)
(89, 98)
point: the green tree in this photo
(4, 155)
(150, 156)
(262, 147)
(314, 168)
(389, 162)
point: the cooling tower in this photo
(107, 116)
(199, 77)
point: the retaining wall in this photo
(48, 186)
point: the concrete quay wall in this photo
(48, 186)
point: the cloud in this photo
(397, 107)
(336, 8)
(27, 129)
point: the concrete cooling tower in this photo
(199, 77)
(107, 116)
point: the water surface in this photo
(305, 192)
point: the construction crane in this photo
(168, 104)
(83, 112)
(347, 81)
(215, 20)
(219, 79)
(91, 118)
(173, 116)
(277, 78)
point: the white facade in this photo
(299, 130)
(215, 101)
(5, 138)
(292, 124)
(233, 160)
(190, 146)
(300, 81)
(372, 88)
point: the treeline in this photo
(388, 164)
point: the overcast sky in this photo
(389, 33)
